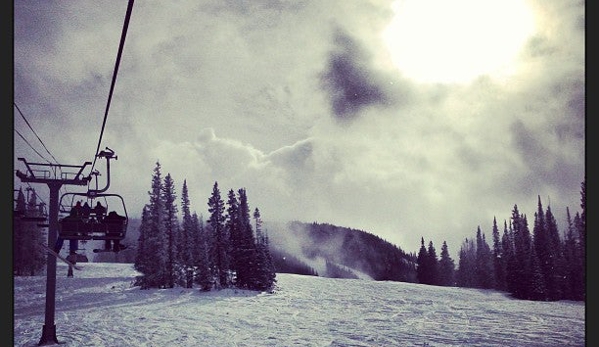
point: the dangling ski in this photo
(70, 264)
(104, 250)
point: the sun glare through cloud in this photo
(438, 41)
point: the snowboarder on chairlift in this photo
(116, 244)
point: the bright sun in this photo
(442, 41)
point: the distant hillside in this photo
(334, 251)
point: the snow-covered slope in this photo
(98, 307)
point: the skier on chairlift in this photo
(116, 243)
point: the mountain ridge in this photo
(340, 252)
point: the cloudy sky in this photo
(405, 118)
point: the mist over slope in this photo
(334, 251)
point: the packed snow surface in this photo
(99, 307)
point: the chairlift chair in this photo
(112, 226)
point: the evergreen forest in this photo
(173, 246)
(541, 264)
(229, 249)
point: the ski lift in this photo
(84, 221)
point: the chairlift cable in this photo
(111, 227)
(30, 127)
(39, 139)
(116, 68)
(29, 144)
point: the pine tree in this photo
(142, 263)
(568, 255)
(18, 239)
(186, 241)
(580, 222)
(32, 208)
(446, 267)
(21, 204)
(422, 271)
(541, 244)
(483, 262)
(234, 229)
(467, 265)
(247, 246)
(578, 225)
(498, 259)
(155, 274)
(574, 253)
(433, 264)
(553, 279)
(537, 290)
(171, 225)
(509, 258)
(218, 248)
(523, 253)
(36, 258)
(271, 274)
(201, 258)
(266, 276)
(583, 220)
(28, 255)
(573, 277)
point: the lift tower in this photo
(55, 176)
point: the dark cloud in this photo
(31, 18)
(577, 103)
(576, 98)
(573, 127)
(568, 125)
(546, 167)
(351, 84)
(24, 85)
(529, 146)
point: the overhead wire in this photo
(30, 127)
(54, 165)
(29, 144)
(39, 139)
(29, 184)
(33, 148)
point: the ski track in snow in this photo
(99, 307)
